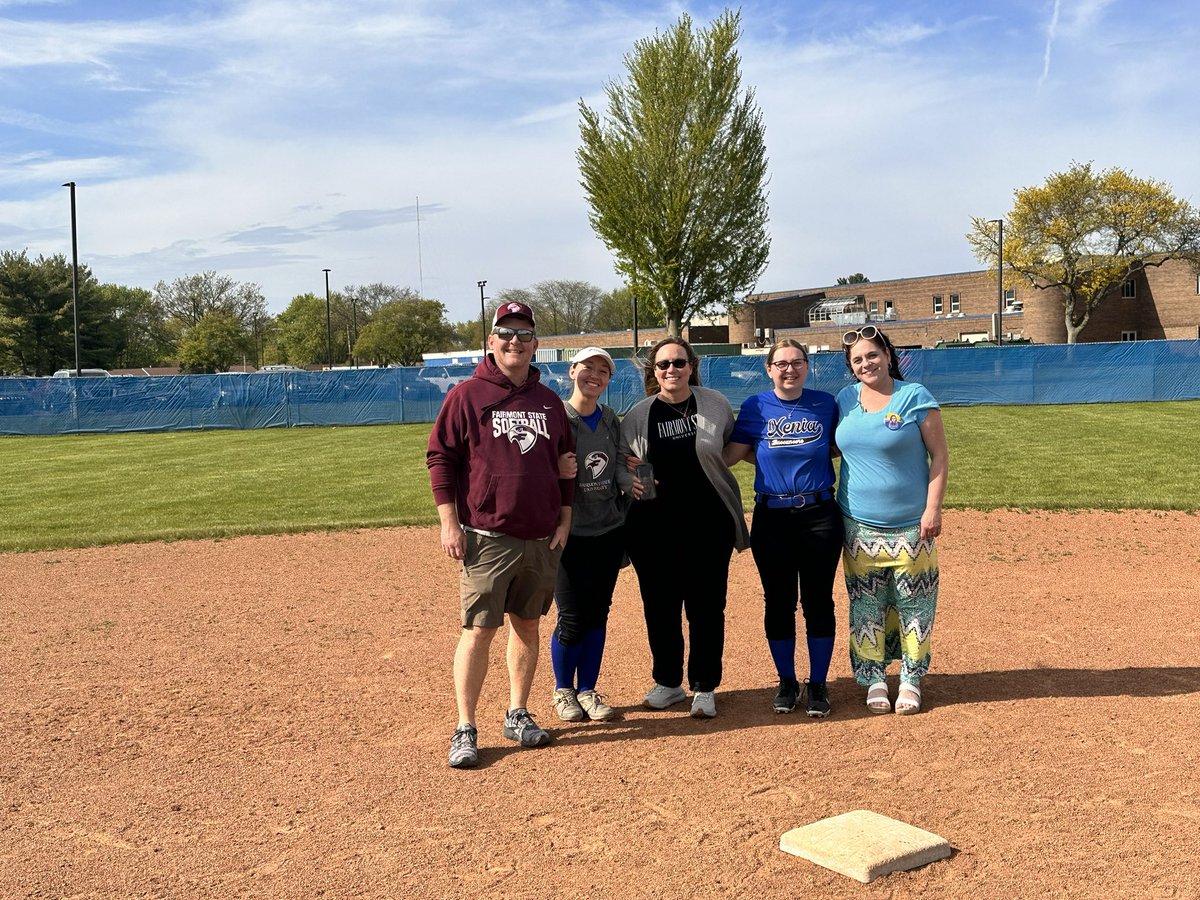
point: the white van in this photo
(83, 373)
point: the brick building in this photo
(1158, 303)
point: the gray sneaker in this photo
(464, 752)
(704, 704)
(566, 704)
(593, 704)
(520, 727)
(661, 696)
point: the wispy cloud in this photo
(1051, 34)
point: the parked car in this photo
(278, 367)
(445, 377)
(83, 373)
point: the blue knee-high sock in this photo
(590, 657)
(820, 652)
(784, 653)
(565, 660)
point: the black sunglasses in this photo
(869, 333)
(663, 364)
(524, 335)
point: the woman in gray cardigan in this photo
(682, 538)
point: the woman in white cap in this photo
(587, 573)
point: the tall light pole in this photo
(999, 283)
(74, 278)
(635, 324)
(482, 317)
(328, 325)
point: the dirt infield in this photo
(268, 717)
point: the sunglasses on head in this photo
(784, 364)
(524, 335)
(663, 364)
(869, 333)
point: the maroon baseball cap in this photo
(513, 309)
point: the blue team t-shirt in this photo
(790, 439)
(884, 479)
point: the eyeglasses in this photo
(784, 364)
(663, 364)
(524, 335)
(869, 333)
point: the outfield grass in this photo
(81, 490)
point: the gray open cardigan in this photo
(714, 424)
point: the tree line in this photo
(209, 322)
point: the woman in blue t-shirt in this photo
(796, 532)
(890, 489)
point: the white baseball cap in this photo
(591, 352)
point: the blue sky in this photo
(270, 139)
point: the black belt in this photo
(793, 501)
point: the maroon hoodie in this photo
(494, 450)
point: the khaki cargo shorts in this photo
(506, 575)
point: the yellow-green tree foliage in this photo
(1085, 233)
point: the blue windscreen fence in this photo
(969, 376)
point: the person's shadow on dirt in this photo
(740, 709)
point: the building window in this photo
(874, 307)
(954, 304)
(1128, 292)
(1129, 335)
(937, 304)
(1010, 294)
(1198, 284)
(889, 307)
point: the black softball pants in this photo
(796, 552)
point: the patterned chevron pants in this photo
(892, 580)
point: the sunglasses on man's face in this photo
(663, 364)
(867, 334)
(524, 335)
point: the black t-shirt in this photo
(682, 488)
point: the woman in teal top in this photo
(890, 489)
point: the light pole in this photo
(482, 317)
(354, 325)
(328, 326)
(635, 327)
(999, 283)
(74, 278)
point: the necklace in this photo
(684, 410)
(789, 407)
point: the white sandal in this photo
(877, 698)
(907, 705)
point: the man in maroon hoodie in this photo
(493, 463)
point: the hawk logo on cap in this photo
(596, 462)
(514, 307)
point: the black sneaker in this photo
(520, 727)
(816, 699)
(463, 750)
(789, 693)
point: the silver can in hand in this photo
(644, 472)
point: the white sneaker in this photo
(661, 696)
(704, 704)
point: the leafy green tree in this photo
(140, 335)
(301, 333)
(401, 330)
(615, 312)
(676, 174)
(213, 344)
(856, 278)
(37, 322)
(1085, 233)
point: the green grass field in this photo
(82, 490)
